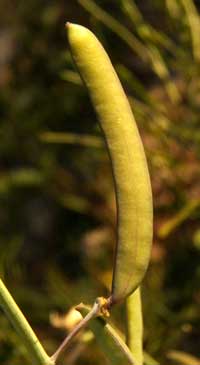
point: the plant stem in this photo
(72, 138)
(135, 326)
(37, 353)
(93, 313)
(109, 339)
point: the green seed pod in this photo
(130, 172)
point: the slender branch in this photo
(30, 340)
(93, 313)
(109, 339)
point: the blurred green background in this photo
(57, 205)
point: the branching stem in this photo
(95, 311)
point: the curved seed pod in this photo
(130, 172)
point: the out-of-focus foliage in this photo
(57, 206)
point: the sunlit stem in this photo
(30, 340)
(135, 326)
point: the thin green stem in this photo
(194, 24)
(135, 326)
(30, 340)
(109, 339)
(72, 138)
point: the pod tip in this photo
(67, 25)
(76, 33)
